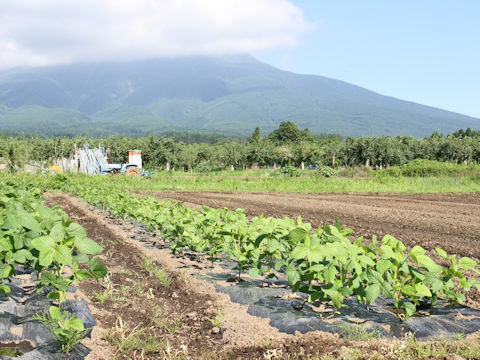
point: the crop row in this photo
(44, 240)
(323, 263)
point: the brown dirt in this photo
(451, 222)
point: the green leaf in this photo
(466, 263)
(22, 256)
(330, 272)
(372, 293)
(82, 275)
(300, 252)
(62, 255)
(55, 313)
(87, 246)
(383, 265)
(441, 252)
(296, 235)
(97, 269)
(409, 290)
(410, 308)
(417, 250)
(292, 274)
(254, 272)
(29, 222)
(76, 230)
(429, 263)
(337, 299)
(75, 324)
(46, 257)
(43, 243)
(422, 290)
(57, 232)
(5, 289)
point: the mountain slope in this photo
(227, 95)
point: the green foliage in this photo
(67, 329)
(325, 263)
(426, 168)
(290, 171)
(47, 241)
(326, 171)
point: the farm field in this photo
(157, 301)
(196, 303)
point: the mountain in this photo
(230, 94)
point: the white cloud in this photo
(45, 32)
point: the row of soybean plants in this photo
(42, 240)
(323, 263)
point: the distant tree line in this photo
(288, 145)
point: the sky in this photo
(424, 51)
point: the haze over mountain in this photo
(231, 95)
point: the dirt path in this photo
(451, 222)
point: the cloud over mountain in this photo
(51, 32)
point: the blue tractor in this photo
(123, 169)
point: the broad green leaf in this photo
(410, 308)
(466, 263)
(5, 289)
(372, 293)
(97, 269)
(409, 290)
(429, 263)
(435, 281)
(55, 313)
(43, 243)
(5, 245)
(57, 232)
(22, 256)
(417, 250)
(422, 290)
(337, 299)
(441, 252)
(254, 272)
(76, 230)
(293, 276)
(46, 257)
(62, 255)
(82, 275)
(296, 235)
(76, 324)
(87, 246)
(300, 252)
(383, 265)
(29, 222)
(330, 272)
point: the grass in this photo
(109, 292)
(267, 181)
(217, 320)
(162, 275)
(357, 333)
(134, 340)
(169, 325)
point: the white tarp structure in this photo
(90, 160)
